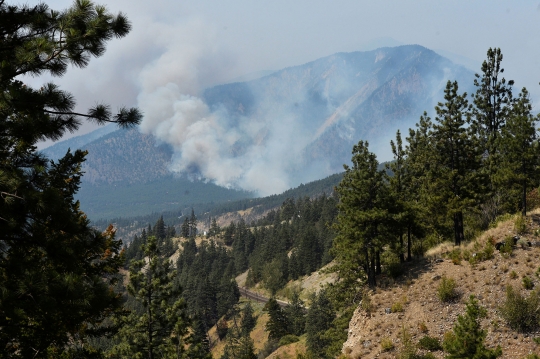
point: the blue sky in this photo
(200, 43)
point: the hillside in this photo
(302, 122)
(330, 103)
(424, 314)
(250, 209)
(410, 303)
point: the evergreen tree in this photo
(228, 296)
(493, 102)
(56, 272)
(362, 211)
(199, 343)
(161, 330)
(519, 152)
(159, 229)
(296, 313)
(249, 320)
(456, 159)
(238, 346)
(402, 213)
(171, 232)
(228, 236)
(185, 228)
(214, 228)
(192, 224)
(467, 339)
(318, 320)
(278, 324)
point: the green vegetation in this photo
(520, 312)
(429, 343)
(387, 344)
(467, 338)
(57, 273)
(527, 283)
(160, 328)
(446, 291)
(62, 296)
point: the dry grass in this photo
(425, 314)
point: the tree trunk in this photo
(524, 200)
(371, 268)
(458, 228)
(409, 244)
(401, 254)
(378, 269)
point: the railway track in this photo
(244, 292)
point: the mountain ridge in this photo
(312, 115)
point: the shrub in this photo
(513, 274)
(446, 291)
(488, 251)
(270, 347)
(222, 328)
(288, 339)
(508, 247)
(394, 269)
(391, 264)
(430, 343)
(467, 338)
(455, 255)
(520, 312)
(520, 224)
(387, 344)
(366, 303)
(532, 356)
(397, 307)
(422, 327)
(527, 283)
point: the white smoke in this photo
(250, 154)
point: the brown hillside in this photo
(424, 314)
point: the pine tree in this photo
(185, 228)
(192, 224)
(161, 330)
(318, 320)
(56, 272)
(362, 210)
(278, 324)
(493, 102)
(214, 228)
(159, 229)
(519, 152)
(456, 158)
(249, 320)
(296, 313)
(399, 183)
(467, 339)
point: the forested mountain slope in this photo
(342, 98)
(334, 101)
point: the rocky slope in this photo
(424, 314)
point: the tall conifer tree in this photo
(457, 158)
(493, 102)
(362, 210)
(519, 152)
(161, 330)
(56, 272)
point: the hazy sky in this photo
(199, 43)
